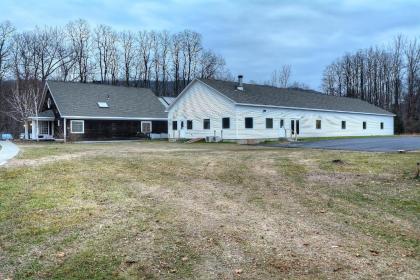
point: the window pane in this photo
(43, 127)
(77, 126)
(364, 125)
(318, 124)
(206, 123)
(281, 123)
(226, 123)
(174, 125)
(382, 125)
(189, 124)
(268, 123)
(249, 122)
(343, 125)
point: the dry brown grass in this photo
(218, 211)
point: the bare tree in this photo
(23, 102)
(128, 51)
(176, 45)
(210, 64)
(164, 57)
(284, 75)
(281, 77)
(106, 53)
(145, 46)
(79, 34)
(6, 33)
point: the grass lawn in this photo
(157, 210)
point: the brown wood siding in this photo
(114, 130)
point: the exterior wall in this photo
(200, 102)
(330, 123)
(113, 130)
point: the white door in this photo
(182, 128)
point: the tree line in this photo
(388, 77)
(163, 61)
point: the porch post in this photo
(34, 130)
(52, 129)
(26, 130)
(65, 130)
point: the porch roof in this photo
(44, 116)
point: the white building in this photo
(237, 111)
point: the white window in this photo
(43, 128)
(146, 127)
(103, 105)
(49, 103)
(77, 127)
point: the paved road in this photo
(373, 144)
(8, 151)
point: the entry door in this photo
(294, 127)
(182, 128)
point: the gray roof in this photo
(48, 114)
(295, 98)
(79, 99)
(166, 100)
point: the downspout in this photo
(65, 130)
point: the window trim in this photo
(252, 123)
(266, 124)
(141, 126)
(316, 124)
(204, 126)
(77, 132)
(223, 124)
(189, 122)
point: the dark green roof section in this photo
(291, 98)
(48, 114)
(81, 100)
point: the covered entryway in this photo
(40, 127)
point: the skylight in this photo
(103, 105)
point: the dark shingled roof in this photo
(46, 114)
(79, 99)
(296, 98)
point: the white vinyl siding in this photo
(330, 123)
(201, 102)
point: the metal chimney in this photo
(240, 84)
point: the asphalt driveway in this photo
(8, 151)
(371, 144)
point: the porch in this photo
(40, 127)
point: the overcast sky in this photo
(255, 37)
